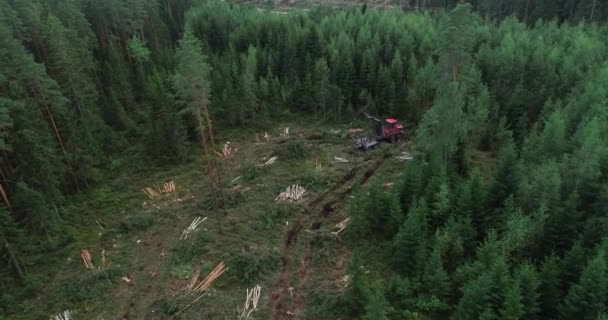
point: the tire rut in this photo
(283, 308)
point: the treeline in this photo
(79, 82)
(465, 236)
(528, 11)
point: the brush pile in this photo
(66, 315)
(193, 226)
(86, 259)
(251, 303)
(269, 162)
(292, 193)
(195, 286)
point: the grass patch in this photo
(186, 252)
(249, 173)
(88, 286)
(170, 306)
(292, 150)
(137, 222)
(247, 267)
(315, 181)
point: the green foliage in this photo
(190, 250)
(410, 243)
(181, 272)
(87, 286)
(292, 150)
(586, 298)
(248, 267)
(376, 213)
(376, 308)
(86, 84)
(275, 216)
(137, 222)
(356, 295)
(250, 173)
(512, 309)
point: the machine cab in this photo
(392, 127)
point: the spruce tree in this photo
(376, 308)
(512, 309)
(586, 299)
(410, 243)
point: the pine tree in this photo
(549, 288)
(356, 296)
(527, 279)
(409, 245)
(512, 309)
(475, 299)
(506, 177)
(435, 285)
(321, 80)
(587, 298)
(11, 237)
(248, 84)
(376, 308)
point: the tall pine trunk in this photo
(42, 100)
(199, 118)
(12, 258)
(593, 10)
(217, 164)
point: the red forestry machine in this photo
(388, 130)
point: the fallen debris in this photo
(343, 282)
(269, 162)
(340, 160)
(405, 156)
(151, 193)
(193, 280)
(251, 303)
(210, 278)
(103, 257)
(266, 137)
(239, 188)
(65, 315)
(192, 227)
(336, 131)
(236, 179)
(127, 279)
(285, 132)
(341, 226)
(292, 193)
(168, 187)
(355, 130)
(86, 259)
(227, 151)
(318, 165)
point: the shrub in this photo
(292, 150)
(315, 181)
(272, 217)
(188, 251)
(137, 222)
(247, 267)
(170, 306)
(181, 271)
(88, 286)
(249, 173)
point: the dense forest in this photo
(501, 215)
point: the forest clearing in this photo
(352, 160)
(291, 250)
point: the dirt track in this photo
(287, 294)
